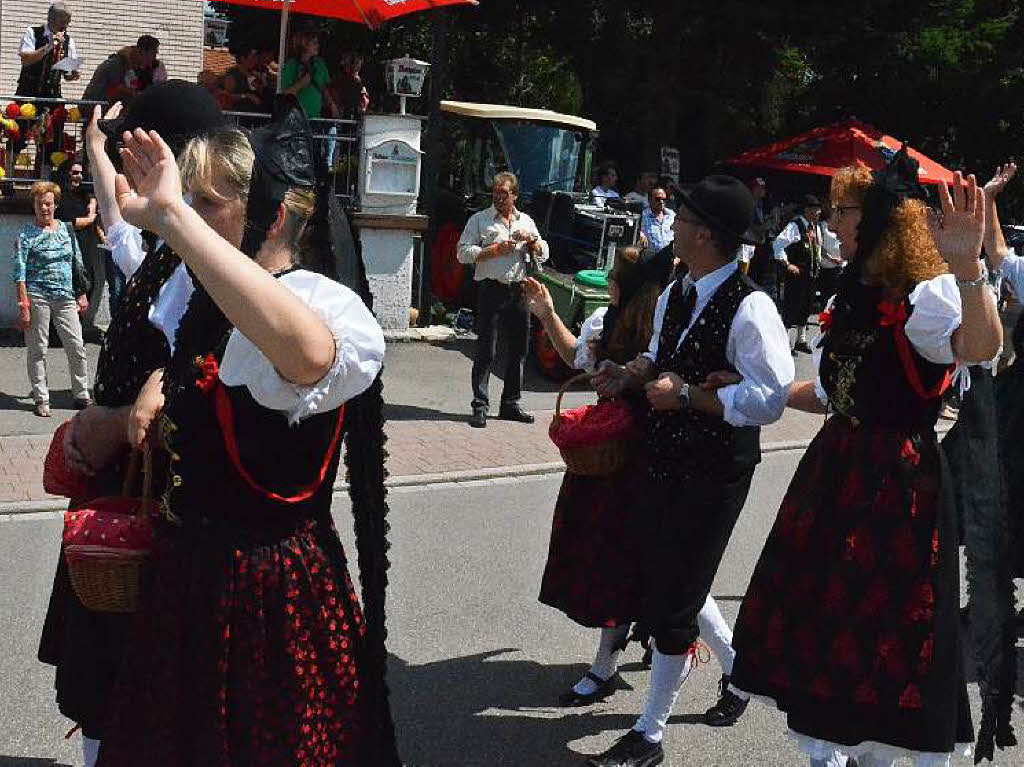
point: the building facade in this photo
(101, 27)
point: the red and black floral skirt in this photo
(593, 573)
(850, 621)
(242, 655)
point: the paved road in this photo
(476, 660)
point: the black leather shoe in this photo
(512, 412)
(479, 418)
(631, 750)
(605, 687)
(728, 710)
(802, 346)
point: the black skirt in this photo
(851, 620)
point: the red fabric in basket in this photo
(58, 477)
(107, 523)
(589, 425)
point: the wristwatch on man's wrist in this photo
(684, 395)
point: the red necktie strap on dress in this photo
(225, 418)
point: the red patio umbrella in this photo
(825, 150)
(372, 13)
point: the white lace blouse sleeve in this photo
(935, 315)
(359, 343)
(591, 330)
(125, 243)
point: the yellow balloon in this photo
(28, 110)
(57, 159)
(2, 172)
(74, 114)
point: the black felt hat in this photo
(810, 201)
(724, 203)
(176, 109)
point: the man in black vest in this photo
(718, 368)
(799, 251)
(40, 48)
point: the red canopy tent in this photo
(825, 150)
(372, 13)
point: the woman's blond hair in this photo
(228, 156)
(906, 253)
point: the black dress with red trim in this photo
(593, 572)
(247, 648)
(850, 621)
(86, 646)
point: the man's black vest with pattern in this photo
(41, 79)
(688, 444)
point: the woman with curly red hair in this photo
(850, 622)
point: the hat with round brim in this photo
(176, 109)
(725, 204)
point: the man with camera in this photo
(502, 242)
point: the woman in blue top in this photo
(43, 268)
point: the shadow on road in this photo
(27, 761)
(484, 709)
(413, 413)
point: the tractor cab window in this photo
(542, 156)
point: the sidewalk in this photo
(421, 452)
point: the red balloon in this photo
(13, 110)
(59, 113)
(14, 133)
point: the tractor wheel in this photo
(548, 359)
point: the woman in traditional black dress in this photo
(86, 646)
(250, 646)
(850, 622)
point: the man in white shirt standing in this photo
(656, 222)
(40, 48)
(718, 369)
(800, 248)
(501, 242)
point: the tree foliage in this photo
(716, 78)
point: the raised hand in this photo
(959, 233)
(94, 137)
(1003, 175)
(150, 163)
(538, 298)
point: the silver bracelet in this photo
(972, 283)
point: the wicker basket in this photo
(590, 460)
(107, 580)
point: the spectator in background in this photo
(607, 178)
(40, 48)
(305, 74)
(43, 269)
(209, 80)
(645, 183)
(347, 89)
(656, 222)
(238, 83)
(127, 73)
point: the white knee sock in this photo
(90, 751)
(606, 662)
(667, 673)
(717, 635)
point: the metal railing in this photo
(341, 138)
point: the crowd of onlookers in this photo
(49, 56)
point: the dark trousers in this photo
(504, 306)
(690, 524)
(797, 295)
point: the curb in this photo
(15, 508)
(432, 334)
